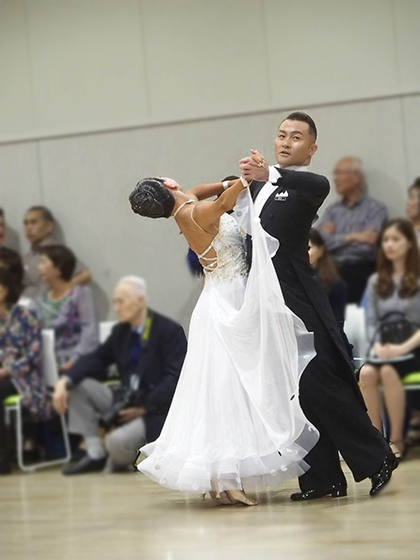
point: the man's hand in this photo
(329, 228)
(254, 168)
(61, 397)
(3, 373)
(65, 367)
(128, 414)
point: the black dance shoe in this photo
(383, 476)
(86, 465)
(335, 491)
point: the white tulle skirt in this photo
(235, 419)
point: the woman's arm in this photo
(209, 213)
(201, 192)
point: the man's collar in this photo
(140, 329)
(47, 241)
(294, 167)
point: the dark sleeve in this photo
(315, 188)
(338, 300)
(172, 350)
(95, 363)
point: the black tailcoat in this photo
(329, 393)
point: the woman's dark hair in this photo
(326, 269)
(13, 287)
(11, 260)
(410, 282)
(152, 199)
(62, 258)
(415, 186)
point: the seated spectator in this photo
(350, 227)
(412, 208)
(394, 289)
(67, 309)
(11, 259)
(2, 227)
(327, 273)
(148, 350)
(20, 359)
(39, 226)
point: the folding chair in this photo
(14, 404)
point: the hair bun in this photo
(152, 199)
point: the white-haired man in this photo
(351, 227)
(148, 350)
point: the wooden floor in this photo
(126, 516)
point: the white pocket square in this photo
(282, 196)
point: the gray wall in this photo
(100, 93)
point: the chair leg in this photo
(19, 442)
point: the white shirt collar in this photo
(295, 167)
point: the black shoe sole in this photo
(335, 494)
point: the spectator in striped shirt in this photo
(350, 227)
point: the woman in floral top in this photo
(20, 358)
(68, 310)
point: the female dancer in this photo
(235, 415)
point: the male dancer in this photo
(287, 199)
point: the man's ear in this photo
(313, 149)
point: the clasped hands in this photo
(254, 167)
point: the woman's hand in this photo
(388, 351)
(3, 373)
(254, 167)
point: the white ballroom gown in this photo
(235, 419)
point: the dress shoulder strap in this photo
(184, 204)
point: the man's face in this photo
(347, 178)
(2, 230)
(294, 145)
(412, 206)
(36, 228)
(128, 307)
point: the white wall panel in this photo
(16, 115)
(20, 188)
(205, 57)
(411, 106)
(87, 63)
(407, 19)
(327, 50)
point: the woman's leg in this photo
(369, 385)
(394, 396)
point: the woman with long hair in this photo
(328, 275)
(392, 291)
